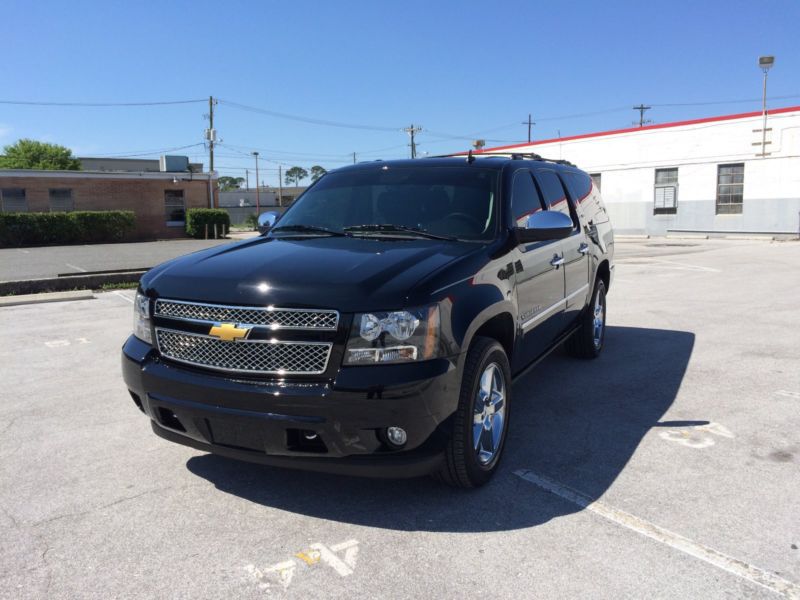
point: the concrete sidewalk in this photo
(50, 261)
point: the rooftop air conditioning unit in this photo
(171, 164)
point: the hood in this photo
(348, 274)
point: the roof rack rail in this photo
(529, 156)
(471, 156)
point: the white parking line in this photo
(670, 264)
(722, 561)
(123, 296)
(82, 270)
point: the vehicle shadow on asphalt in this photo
(576, 422)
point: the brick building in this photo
(158, 199)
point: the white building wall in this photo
(627, 161)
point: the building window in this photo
(175, 207)
(13, 200)
(666, 192)
(730, 189)
(597, 178)
(61, 200)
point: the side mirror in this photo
(267, 220)
(543, 226)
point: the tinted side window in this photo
(579, 185)
(525, 199)
(555, 197)
(553, 191)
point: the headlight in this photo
(393, 337)
(141, 318)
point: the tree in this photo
(317, 172)
(228, 184)
(295, 175)
(30, 154)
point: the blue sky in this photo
(457, 68)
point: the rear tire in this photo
(481, 420)
(588, 340)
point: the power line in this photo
(337, 158)
(99, 104)
(379, 150)
(285, 159)
(473, 135)
(302, 119)
(284, 152)
(134, 153)
(789, 97)
(586, 114)
(288, 155)
(228, 168)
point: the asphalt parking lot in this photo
(51, 261)
(669, 467)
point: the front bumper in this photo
(265, 421)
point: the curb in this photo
(41, 298)
(71, 282)
(753, 238)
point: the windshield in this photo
(454, 202)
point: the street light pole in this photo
(258, 198)
(765, 62)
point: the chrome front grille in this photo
(270, 317)
(244, 356)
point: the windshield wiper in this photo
(389, 228)
(306, 229)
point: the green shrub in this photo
(252, 221)
(107, 226)
(198, 218)
(78, 227)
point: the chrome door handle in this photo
(584, 248)
(557, 260)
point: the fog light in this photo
(309, 435)
(397, 436)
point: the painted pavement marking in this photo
(740, 568)
(284, 572)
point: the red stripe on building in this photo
(746, 115)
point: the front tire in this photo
(588, 340)
(481, 420)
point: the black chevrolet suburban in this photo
(375, 328)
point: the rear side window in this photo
(525, 198)
(579, 185)
(590, 205)
(553, 191)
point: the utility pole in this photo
(258, 197)
(530, 123)
(211, 137)
(412, 131)
(354, 158)
(247, 179)
(280, 185)
(642, 108)
(211, 134)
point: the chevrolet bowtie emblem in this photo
(229, 332)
